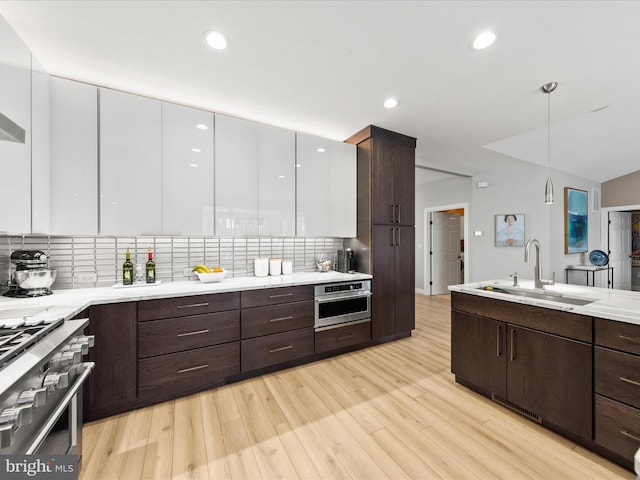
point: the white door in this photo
(445, 251)
(620, 249)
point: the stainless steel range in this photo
(41, 374)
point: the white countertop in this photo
(620, 305)
(68, 302)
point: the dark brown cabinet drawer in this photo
(344, 336)
(158, 337)
(617, 375)
(273, 349)
(170, 376)
(617, 427)
(185, 306)
(617, 335)
(273, 296)
(271, 319)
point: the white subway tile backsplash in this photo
(174, 256)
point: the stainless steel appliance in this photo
(345, 261)
(41, 375)
(32, 277)
(343, 302)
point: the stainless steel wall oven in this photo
(343, 302)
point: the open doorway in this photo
(621, 233)
(446, 259)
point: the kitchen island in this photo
(567, 357)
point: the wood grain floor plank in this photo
(189, 456)
(158, 460)
(240, 455)
(217, 464)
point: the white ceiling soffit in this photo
(325, 68)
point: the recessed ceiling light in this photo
(215, 40)
(196, 150)
(320, 150)
(484, 40)
(298, 165)
(390, 103)
(281, 176)
(193, 165)
(202, 126)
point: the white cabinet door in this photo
(277, 187)
(326, 187)
(15, 158)
(40, 149)
(130, 164)
(236, 177)
(74, 158)
(187, 171)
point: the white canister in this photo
(287, 267)
(275, 266)
(261, 267)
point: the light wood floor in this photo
(391, 411)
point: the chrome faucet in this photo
(539, 282)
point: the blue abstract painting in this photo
(576, 216)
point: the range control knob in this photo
(19, 415)
(56, 380)
(65, 358)
(35, 396)
(7, 431)
(89, 340)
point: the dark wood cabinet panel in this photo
(185, 306)
(338, 337)
(273, 296)
(383, 203)
(383, 301)
(617, 428)
(551, 376)
(570, 325)
(405, 184)
(172, 375)
(405, 280)
(258, 321)
(158, 337)
(478, 352)
(617, 335)
(617, 375)
(274, 349)
(111, 387)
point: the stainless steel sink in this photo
(551, 296)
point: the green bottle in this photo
(127, 270)
(151, 268)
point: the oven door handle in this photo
(325, 299)
(53, 418)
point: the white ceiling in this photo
(325, 67)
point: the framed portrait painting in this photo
(576, 216)
(510, 230)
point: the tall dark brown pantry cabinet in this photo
(385, 244)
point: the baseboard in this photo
(421, 291)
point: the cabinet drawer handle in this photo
(193, 368)
(280, 319)
(393, 214)
(274, 350)
(498, 352)
(398, 216)
(193, 305)
(344, 337)
(398, 239)
(629, 339)
(630, 435)
(628, 380)
(281, 295)
(198, 332)
(393, 237)
(513, 344)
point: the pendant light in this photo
(548, 189)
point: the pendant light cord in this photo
(549, 132)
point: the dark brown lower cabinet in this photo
(539, 373)
(111, 387)
(617, 427)
(278, 348)
(342, 336)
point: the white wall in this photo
(520, 190)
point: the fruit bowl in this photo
(211, 277)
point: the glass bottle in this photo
(127, 270)
(151, 268)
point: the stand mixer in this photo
(32, 277)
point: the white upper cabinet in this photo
(236, 177)
(326, 195)
(40, 148)
(277, 183)
(15, 157)
(130, 164)
(74, 158)
(187, 171)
